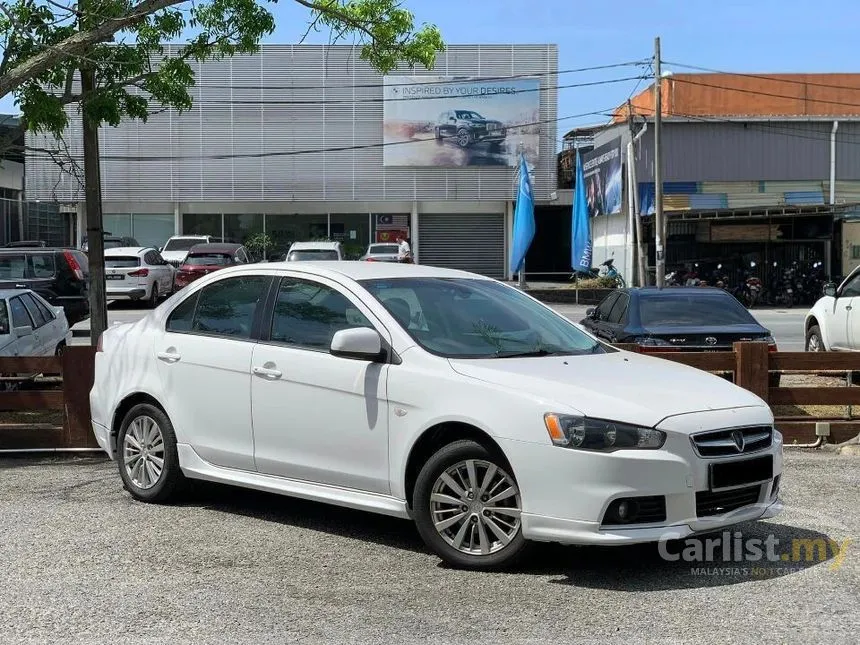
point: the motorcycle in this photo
(605, 270)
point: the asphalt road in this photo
(786, 324)
(84, 564)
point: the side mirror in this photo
(360, 343)
(590, 312)
(830, 289)
(21, 332)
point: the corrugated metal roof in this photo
(754, 200)
(800, 197)
(792, 186)
(729, 186)
(709, 201)
(676, 202)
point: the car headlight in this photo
(583, 433)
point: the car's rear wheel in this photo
(153, 296)
(61, 347)
(467, 507)
(147, 456)
(814, 342)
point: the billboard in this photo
(602, 171)
(433, 121)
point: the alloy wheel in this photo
(813, 344)
(475, 507)
(143, 452)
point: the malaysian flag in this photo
(392, 222)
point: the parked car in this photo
(111, 242)
(467, 128)
(833, 323)
(303, 251)
(679, 319)
(177, 247)
(60, 276)
(203, 259)
(30, 325)
(431, 394)
(381, 253)
(137, 273)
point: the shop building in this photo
(302, 142)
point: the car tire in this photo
(146, 438)
(464, 138)
(498, 533)
(814, 341)
(61, 347)
(152, 302)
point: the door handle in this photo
(267, 372)
(168, 357)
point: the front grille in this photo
(734, 441)
(709, 504)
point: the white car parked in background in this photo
(431, 394)
(833, 323)
(177, 247)
(137, 273)
(316, 251)
(30, 325)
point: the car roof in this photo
(301, 246)
(5, 294)
(645, 292)
(215, 247)
(357, 270)
(128, 250)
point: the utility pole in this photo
(659, 229)
(93, 200)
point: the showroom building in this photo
(303, 142)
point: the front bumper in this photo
(566, 493)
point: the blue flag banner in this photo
(580, 243)
(524, 219)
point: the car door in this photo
(55, 329)
(840, 311)
(43, 344)
(159, 271)
(168, 270)
(850, 300)
(204, 361)
(614, 323)
(598, 324)
(318, 417)
(26, 344)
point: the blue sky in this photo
(758, 36)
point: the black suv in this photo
(60, 276)
(467, 127)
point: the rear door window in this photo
(38, 317)
(43, 265)
(228, 307)
(43, 308)
(13, 266)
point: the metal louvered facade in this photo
(473, 243)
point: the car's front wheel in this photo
(467, 507)
(814, 342)
(147, 456)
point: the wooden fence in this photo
(750, 364)
(63, 388)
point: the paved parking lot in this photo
(83, 563)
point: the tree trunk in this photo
(94, 226)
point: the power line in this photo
(763, 77)
(42, 154)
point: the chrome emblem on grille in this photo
(738, 438)
(710, 340)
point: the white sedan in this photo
(430, 394)
(137, 273)
(30, 325)
(833, 323)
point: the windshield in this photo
(468, 115)
(183, 243)
(384, 248)
(113, 244)
(116, 262)
(692, 310)
(209, 259)
(469, 318)
(312, 254)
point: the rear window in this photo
(692, 310)
(124, 262)
(43, 265)
(13, 266)
(312, 254)
(209, 259)
(385, 248)
(114, 244)
(183, 244)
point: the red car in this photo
(203, 259)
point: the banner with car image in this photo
(433, 121)
(602, 171)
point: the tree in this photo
(115, 48)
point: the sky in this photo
(753, 36)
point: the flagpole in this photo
(521, 276)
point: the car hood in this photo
(174, 256)
(621, 386)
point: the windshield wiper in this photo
(534, 352)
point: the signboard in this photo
(433, 121)
(601, 169)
